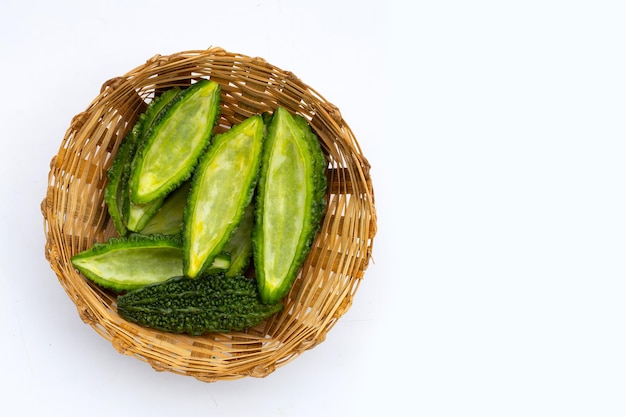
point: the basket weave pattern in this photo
(75, 215)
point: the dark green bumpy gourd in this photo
(211, 303)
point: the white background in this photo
(496, 135)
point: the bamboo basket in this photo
(75, 215)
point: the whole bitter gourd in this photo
(210, 303)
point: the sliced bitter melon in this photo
(116, 191)
(290, 203)
(169, 219)
(128, 263)
(221, 189)
(211, 303)
(140, 214)
(174, 142)
(239, 246)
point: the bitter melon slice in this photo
(169, 219)
(140, 214)
(128, 263)
(221, 189)
(290, 203)
(116, 191)
(174, 142)
(239, 246)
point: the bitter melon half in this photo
(173, 144)
(239, 246)
(128, 263)
(290, 203)
(126, 215)
(169, 219)
(221, 189)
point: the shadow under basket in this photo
(75, 216)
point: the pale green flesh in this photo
(224, 188)
(221, 263)
(285, 206)
(134, 266)
(169, 219)
(178, 140)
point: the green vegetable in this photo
(192, 215)
(137, 215)
(169, 219)
(117, 177)
(211, 303)
(290, 203)
(116, 195)
(174, 142)
(221, 189)
(140, 214)
(128, 263)
(239, 246)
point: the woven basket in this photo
(75, 216)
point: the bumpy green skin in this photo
(221, 189)
(128, 263)
(140, 214)
(290, 203)
(117, 176)
(174, 142)
(320, 181)
(211, 303)
(116, 194)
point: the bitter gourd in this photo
(169, 219)
(138, 215)
(211, 303)
(289, 205)
(125, 215)
(117, 177)
(128, 263)
(239, 245)
(221, 189)
(174, 142)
